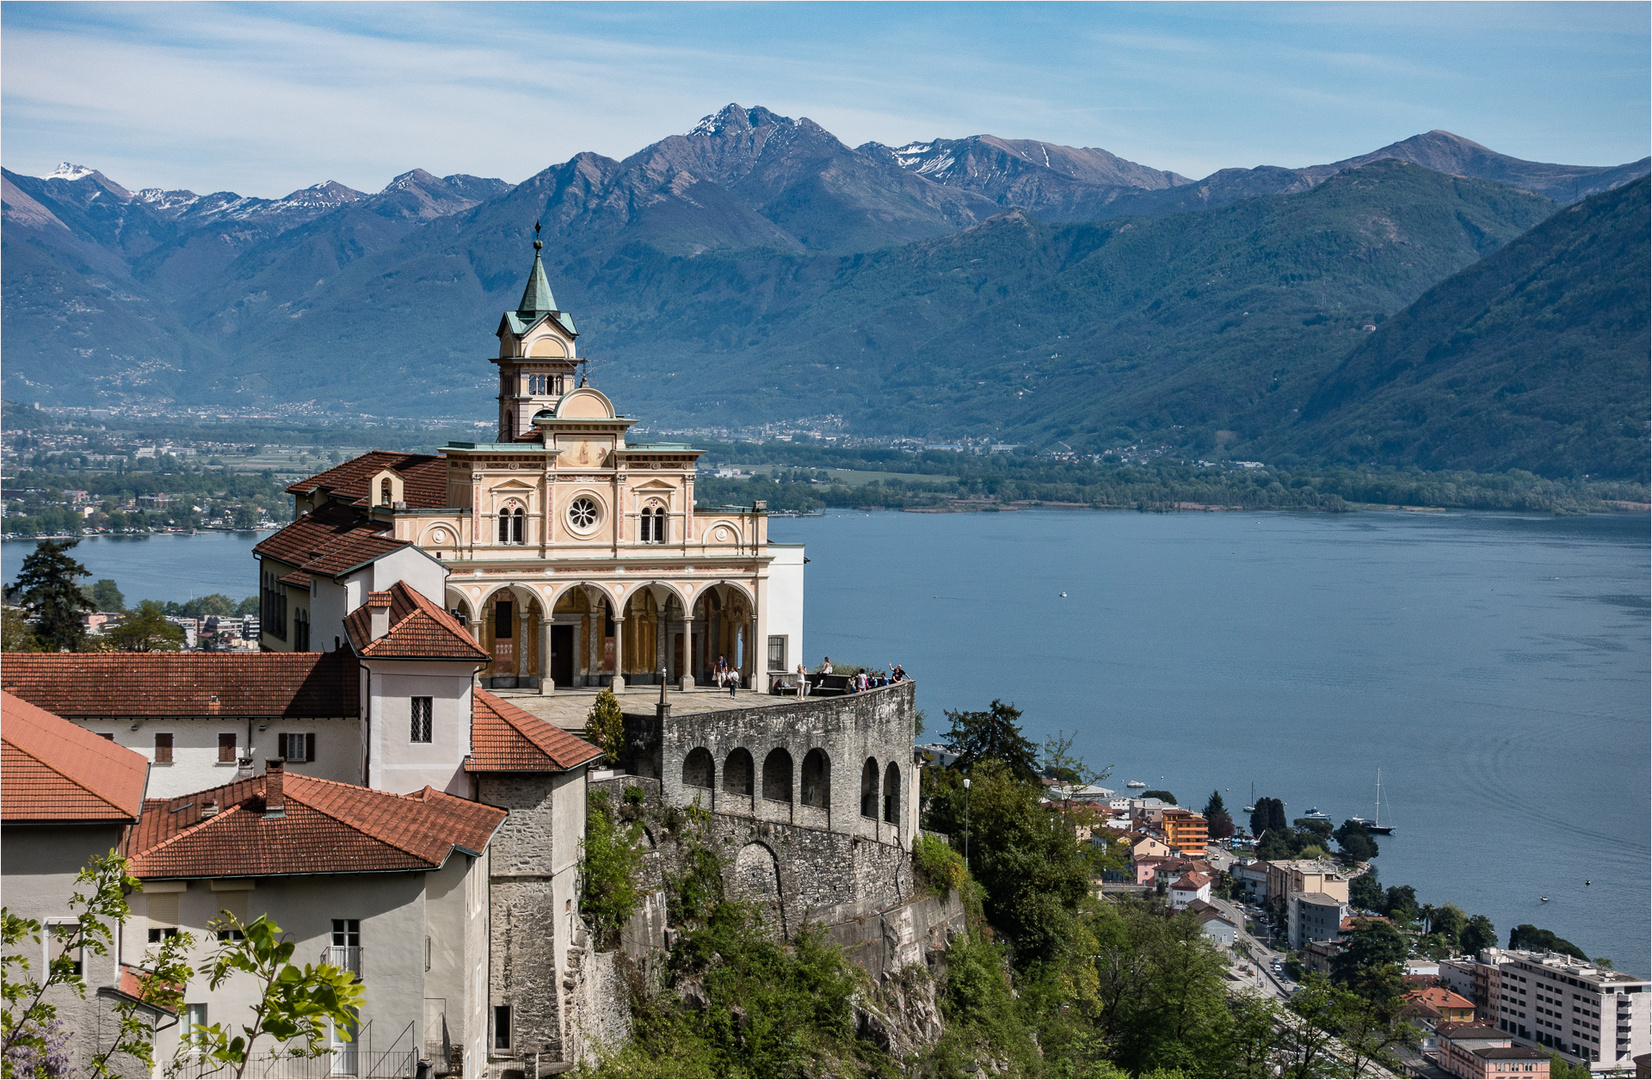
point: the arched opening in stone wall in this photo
(892, 794)
(698, 768)
(737, 773)
(777, 776)
(817, 778)
(869, 789)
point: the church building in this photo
(573, 555)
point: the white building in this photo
(1588, 1013)
(1188, 888)
(1314, 916)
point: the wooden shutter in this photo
(163, 747)
(309, 746)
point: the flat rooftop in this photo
(568, 707)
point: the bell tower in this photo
(536, 354)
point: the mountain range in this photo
(756, 269)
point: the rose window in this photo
(583, 513)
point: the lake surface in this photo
(1496, 667)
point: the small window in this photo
(518, 521)
(347, 932)
(161, 933)
(298, 746)
(226, 748)
(501, 1027)
(195, 1018)
(63, 944)
(421, 720)
(163, 748)
(110, 735)
(777, 652)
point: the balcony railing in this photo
(347, 957)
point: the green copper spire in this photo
(537, 298)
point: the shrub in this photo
(608, 877)
(940, 867)
(605, 726)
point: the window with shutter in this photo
(226, 747)
(163, 748)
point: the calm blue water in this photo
(1496, 667)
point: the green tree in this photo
(1372, 965)
(1214, 805)
(1162, 795)
(15, 635)
(992, 735)
(609, 869)
(48, 588)
(1477, 935)
(1216, 814)
(1269, 816)
(605, 726)
(1062, 764)
(105, 595)
(1527, 936)
(146, 630)
(1308, 1028)
(1365, 892)
(1450, 922)
(210, 604)
(293, 1005)
(1561, 1069)
(1401, 903)
(1355, 841)
(247, 606)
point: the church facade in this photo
(574, 555)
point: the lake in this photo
(1495, 667)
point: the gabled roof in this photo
(424, 479)
(1439, 997)
(1192, 881)
(51, 770)
(419, 630)
(326, 828)
(114, 685)
(330, 542)
(504, 738)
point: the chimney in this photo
(378, 614)
(275, 802)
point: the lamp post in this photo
(966, 823)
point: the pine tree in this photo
(48, 588)
(992, 735)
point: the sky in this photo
(265, 99)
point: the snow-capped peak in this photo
(69, 171)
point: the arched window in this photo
(384, 491)
(892, 794)
(869, 789)
(697, 768)
(777, 776)
(518, 521)
(737, 770)
(504, 526)
(817, 778)
(659, 525)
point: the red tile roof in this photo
(424, 479)
(298, 579)
(131, 984)
(504, 738)
(86, 685)
(1439, 997)
(51, 770)
(327, 828)
(1192, 881)
(330, 541)
(418, 629)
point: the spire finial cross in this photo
(537, 242)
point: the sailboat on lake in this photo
(1375, 825)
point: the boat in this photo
(1375, 825)
(1316, 814)
(1135, 783)
(1251, 809)
(1545, 899)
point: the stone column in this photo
(662, 631)
(521, 642)
(619, 653)
(685, 677)
(593, 638)
(757, 654)
(547, 685)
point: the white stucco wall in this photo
(195, 765)
(395, 762)
(783, 599)
(420, 571)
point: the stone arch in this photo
(737, 772)
(511, 640)
(460, 604)
(817, 779)
(723, 618)
(869, 789)
(777, 776)
(699, 771)
(757, 882)
(892, 794)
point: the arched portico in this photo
(725, 626)
(507, 622)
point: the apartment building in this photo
(1186, 832)
(1482, 1052)
(1593, 1015)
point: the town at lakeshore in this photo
(522, 740)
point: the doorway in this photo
(562, 655)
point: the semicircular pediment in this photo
(585, 403)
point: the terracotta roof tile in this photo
(85, 685)
(1194, 880)
(327, 828)
(424, 479)
(54, 771)
(1439, 997)
(418, 629)
(298, 579)
(331, 541)
(504, 738)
